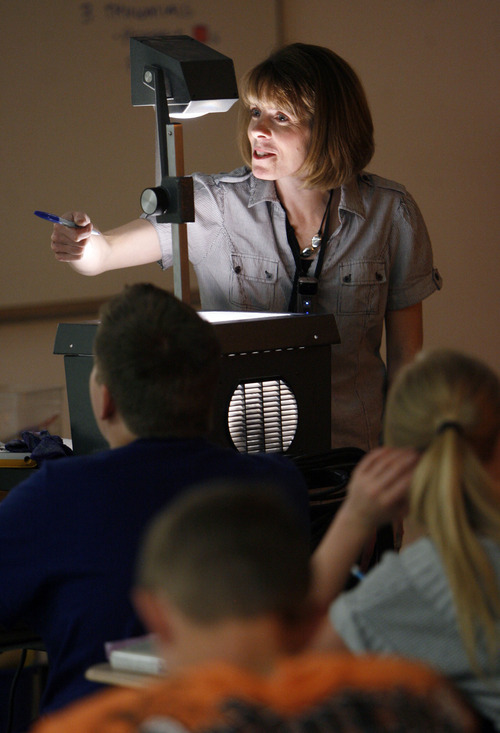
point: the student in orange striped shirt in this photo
(224, 581)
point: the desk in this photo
(10, 477)
(20, 637)
(106, 674)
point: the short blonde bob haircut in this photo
(313, 84)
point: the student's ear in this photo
(107, 404)
(102, 402)
(153, 612)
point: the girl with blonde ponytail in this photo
(447, 406)
(438, 600)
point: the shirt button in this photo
(237, 269)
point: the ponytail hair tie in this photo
(450, 425)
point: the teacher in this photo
(301, 214)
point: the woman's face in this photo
(279, 142)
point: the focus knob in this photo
(154, 201)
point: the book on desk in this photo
(139, 654)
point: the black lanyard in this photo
(300, 264)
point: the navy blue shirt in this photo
(69, 537)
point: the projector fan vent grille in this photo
(262, 416)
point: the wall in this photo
(431, 70)
(27, 362)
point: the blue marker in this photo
(59, 220)
(356, 571)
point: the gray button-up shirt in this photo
(378, 259)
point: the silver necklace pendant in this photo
(316, 239)
(315, 244)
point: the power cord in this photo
(12, 691)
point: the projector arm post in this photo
(172, 201)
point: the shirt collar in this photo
(350, 196)
(261, 190)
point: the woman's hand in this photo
(69, 244)
(132, 244)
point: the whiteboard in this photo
(71, 138)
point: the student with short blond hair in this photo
(223, 580)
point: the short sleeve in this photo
(204, 231)
(413, 276)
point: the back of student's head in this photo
(447, 406)
(160, 360)
(228, 550)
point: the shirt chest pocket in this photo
(252, 282)
(361, 286)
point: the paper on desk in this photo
(138, 654)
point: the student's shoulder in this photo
(332, 682)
